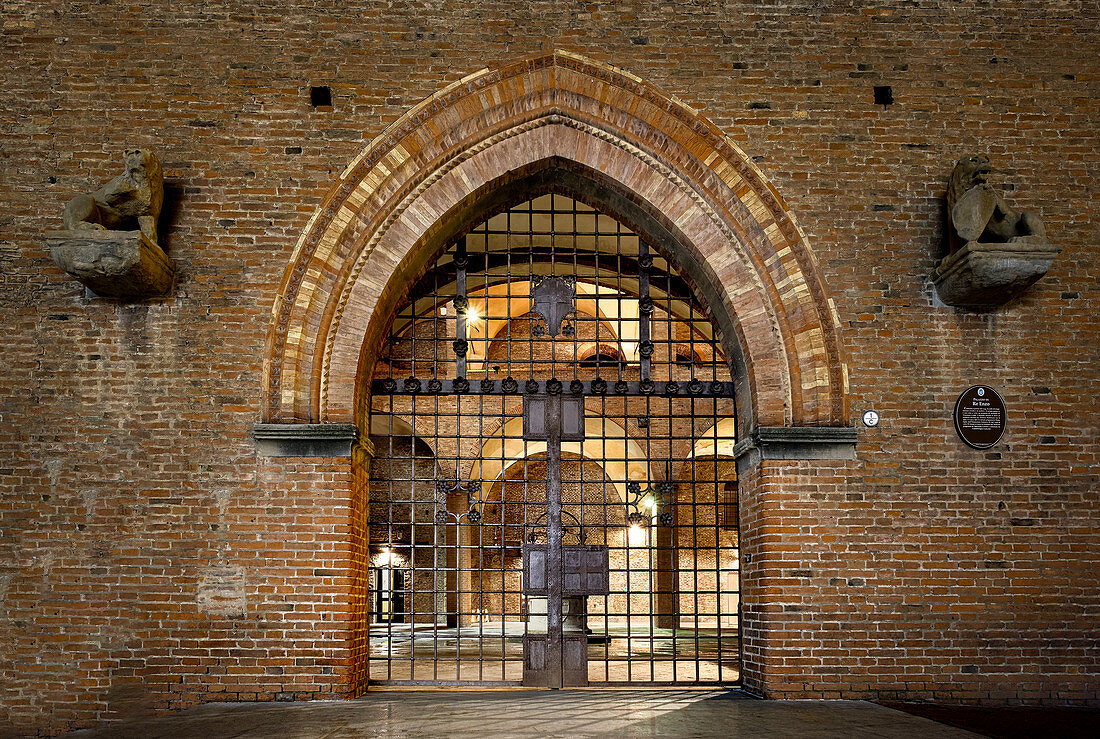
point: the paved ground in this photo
(1009, 722)
(513, 714)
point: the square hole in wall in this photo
(320, 96)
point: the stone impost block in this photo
(795, 443)
(305, 439)
(116, 264)
(982, 276)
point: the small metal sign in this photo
(571, 417)
(980, 416)
(584, 569)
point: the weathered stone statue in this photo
(978, 213)
(995, 252)
(110, 238)
(132, 199)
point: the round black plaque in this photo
(980, 416)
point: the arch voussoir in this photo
(389, 210)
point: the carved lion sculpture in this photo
(129, 202)
(978, 213)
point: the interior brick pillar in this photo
(667, 576)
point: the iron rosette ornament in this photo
(473, 512)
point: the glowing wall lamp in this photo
(388, 558)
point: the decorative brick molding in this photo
(658, 164)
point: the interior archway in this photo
(503, 449)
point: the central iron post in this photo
(554, 645)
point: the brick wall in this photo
(913, 588)
(149, 559)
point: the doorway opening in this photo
(553, 421)
(389, 593)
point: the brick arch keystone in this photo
(388, 216)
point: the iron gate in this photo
(553, 421)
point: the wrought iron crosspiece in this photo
(553, 299)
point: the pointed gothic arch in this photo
(564, 123)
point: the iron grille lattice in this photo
(546, 301)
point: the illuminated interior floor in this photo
(493, 652)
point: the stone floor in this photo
(577, 713)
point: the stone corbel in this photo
(981, 275)
(306, 439)
(794, 443)
(114, 264)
